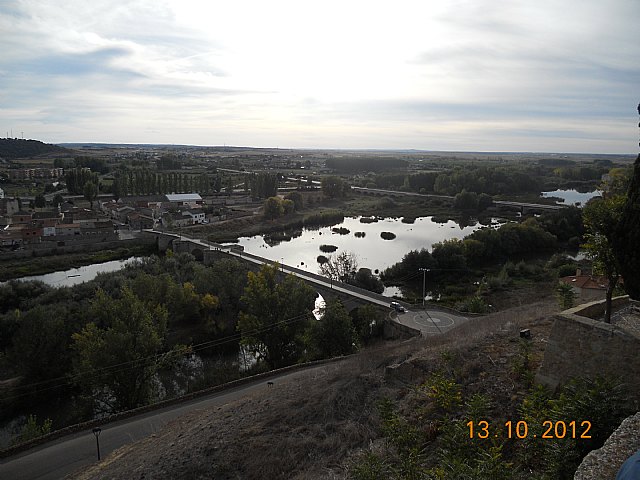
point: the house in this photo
(20, 217)
(587, 288)
(179, 219)
(137, 221)
(9, 206)
(68, 229)
(196, 216)
(31, 233)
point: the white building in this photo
(196, 217)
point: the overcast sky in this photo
(477, 75)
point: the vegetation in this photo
(627, 237)
(275, 315)
(601, 218)
(19, 148)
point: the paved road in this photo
(430, 322)
(61, 457)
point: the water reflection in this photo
(372, 251)
(572, 196)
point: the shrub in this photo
(341, 230)
(328, 248)
(322, 259)
(387, 235)
(360, 234)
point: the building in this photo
(178, 219)
(184, 199)
(588, 288)
(196, 216)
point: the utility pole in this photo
(424, 277)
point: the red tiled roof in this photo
(598, 282)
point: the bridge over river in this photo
(429, 321)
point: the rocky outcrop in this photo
(604, 463)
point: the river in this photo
(572, 197)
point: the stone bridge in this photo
(209, 252)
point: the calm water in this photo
(572, 197)
(73, 276)
(371, 251)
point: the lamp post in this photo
(96, 431)
(424, 275)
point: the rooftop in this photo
(184, 197)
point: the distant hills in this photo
(19, 148)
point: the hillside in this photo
(11, 148)
(329, 425)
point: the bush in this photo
(408, 220)
(360, 234)
(341, 230)
(387, 235)
(328, 248)
(322, 259)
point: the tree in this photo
(627, 237)
(40, 345)
(565, 295)
(275, 315)
(273, 208)
(90, 192)
(334, 334)
(341, 267)
(119, 352)
(40, 201)
(57, 200)
(297, 199)
(365, 279)
(333, 187)
(601, 220)
(467, 201)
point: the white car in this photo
(397, 307)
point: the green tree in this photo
(119, 352)
(334, 334)
(297, 199)
(565, 295)
(467, 201)
(275, 315)
(601, 220)
(333, 186)
(273, 208)
(90, 192)
(627, 237)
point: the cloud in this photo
(409, 75)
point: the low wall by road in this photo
(580, 346)
(396, 331)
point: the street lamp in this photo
(96, 431)
(424, 275)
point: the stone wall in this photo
(582, 347)
(396, 331)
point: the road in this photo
(430, 322)
(66, 455)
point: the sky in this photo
(461, 75)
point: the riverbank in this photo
(20, 267)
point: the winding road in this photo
(61, 457)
